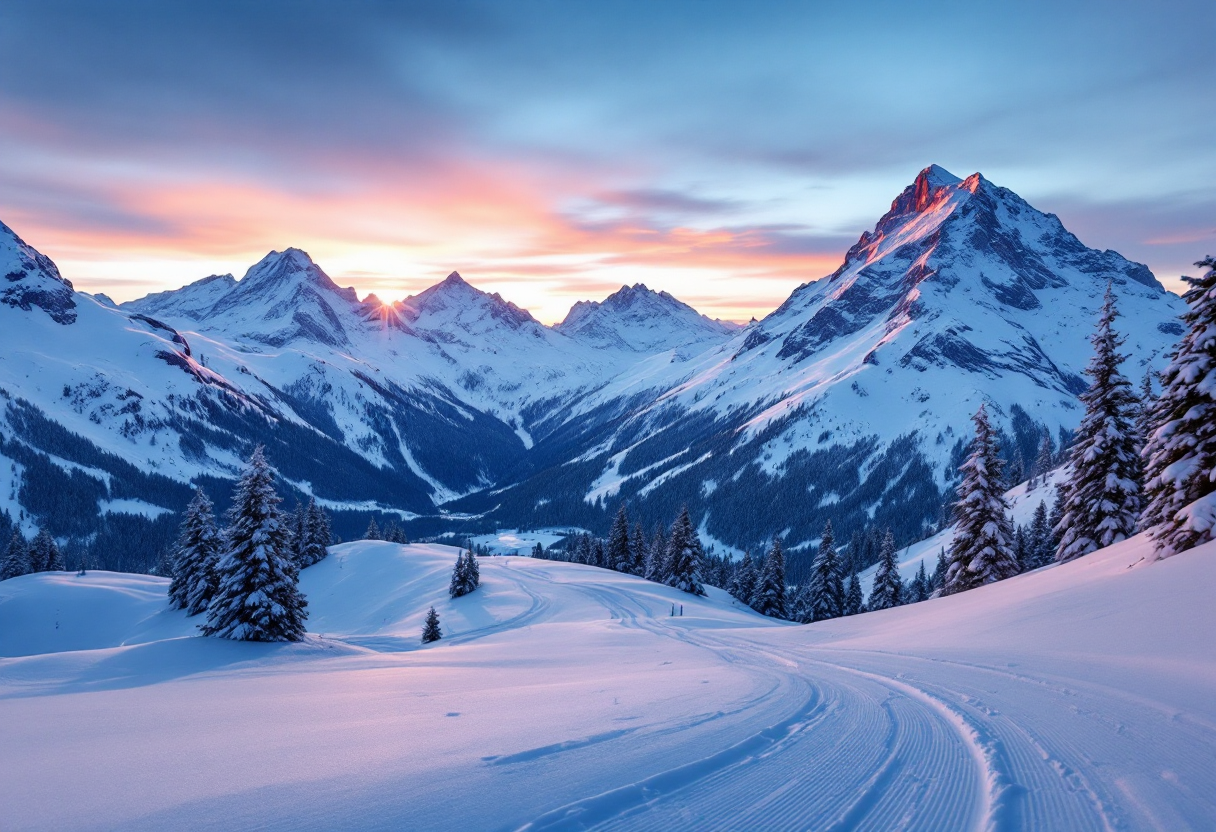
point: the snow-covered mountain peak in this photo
(642, 320)
(281, 276)
(456, 302)
(32, 280)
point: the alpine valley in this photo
(456, 411)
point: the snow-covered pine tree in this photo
(257, 596)
(637, 551)
(474, 570)
(826, 590)
(430, 630)
(769, 595)
(44, 553)
(538, 551)
(195, 557)
(939, 571)
(656, 556)
(1144, 412)
(800, 607)
(459, 584)
(1041, 543)
(683, 560)
(1042, 465)
(853, 602)
(618, 554)
(373, 531)
(888, 589)
(1056, 515)
(317, 535)
(1180, 473)
(1103, 497)
(982, 550)
(585, 552)
(743, 581)
(16, 557)
(599, 556)
(920, 589)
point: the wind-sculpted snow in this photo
(1079, 697)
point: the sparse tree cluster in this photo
(22, 557)
(466, 574)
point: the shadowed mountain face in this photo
(850, 401)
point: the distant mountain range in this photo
(456, 410)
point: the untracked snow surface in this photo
(1077, 697)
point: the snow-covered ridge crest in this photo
(32, 280)
(643, 320)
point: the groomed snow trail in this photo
(565, 698)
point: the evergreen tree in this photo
(317, 535)
(619, 554)
(683, 560)
(656, 556)
(982, 550)
(599, 556)
(1043, 462)
(1041, 544)
(637, 551)
(1180, 473)
(538, 551)
(257, 597)
(16, 557)
(801, 608)
(45, 555)
(769, 596)
(939, 571)
(1103, 498)
(743, 582)
(585, 553)
(430, 630)
(1056, 515)
(195, 557)
(466, 574)
(373, 531)
(853, 603)
(920, 588)
(888, 589)
(826, 590)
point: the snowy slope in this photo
(1077, 697)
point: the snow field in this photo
(1076, 697)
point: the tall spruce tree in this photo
(466, 574)
(801, 609)
(1103, 496)
(769, 596)
(743, 582)
(257, 596)
(373, 531)
(620, 558)
(1043, 462)
(656, 556)
(317, 535)
(939, 571)
(1040, 543)
(195, 557)
(430, 630)
(921, 588)
(44, 553)
(888, 589)
(853, 600)
(684, 555)
(1144, 412)
(16, 557)
(1180, 475)
(826, 589)
(982, 550)
(637, 551)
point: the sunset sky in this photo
(552, 151)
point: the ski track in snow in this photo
(718, 719)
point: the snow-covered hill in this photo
(1079, 697)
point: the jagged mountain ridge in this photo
(850, 400)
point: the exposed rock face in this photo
(31, 280)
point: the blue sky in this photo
(553, 151)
